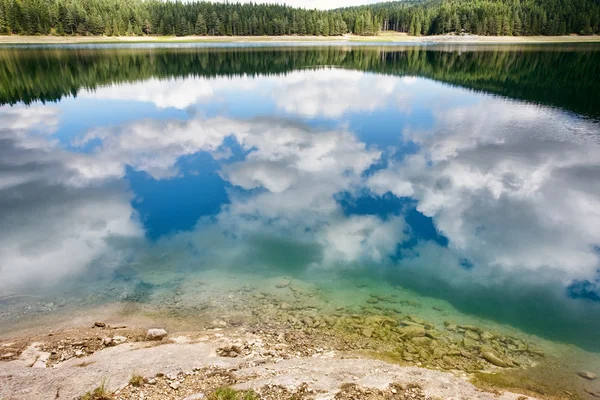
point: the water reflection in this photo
(478, 197)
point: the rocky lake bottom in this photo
(300, 319)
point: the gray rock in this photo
(175, 385)
(156, 334)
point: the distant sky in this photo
(322, 4)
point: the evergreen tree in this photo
(200, 28)
(147, 29)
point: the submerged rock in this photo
(283, 283)
(493, 359)
(587, 375)
(410, 332)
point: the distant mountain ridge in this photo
(419, 17)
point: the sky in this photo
(320, 4)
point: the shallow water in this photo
(464, 180)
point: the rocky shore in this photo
(128, 363)
(284, 339)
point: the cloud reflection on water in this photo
(512, 187)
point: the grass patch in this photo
(100, 393)
(227, 393)
(136, 380)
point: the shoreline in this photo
(281, 327)
(346, 39)
(126, 363)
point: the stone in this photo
(175, 385)
(439, 352)
(108, 341)
(368, 332)
(155, 334)
(99, 325)
(119, 339)
(410, 332)
(487, 335)
(493, 359)
(587, 375)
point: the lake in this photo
(452, 183)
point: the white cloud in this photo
(327, 92)
(177, 93)
(510, 189)
(334, 92)
(51, 228)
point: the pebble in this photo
(175, 385)
(99, 325)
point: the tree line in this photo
(429, 17)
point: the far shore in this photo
(382, 38)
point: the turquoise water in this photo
(467, 177)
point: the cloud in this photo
(334, 92)
(177, 93)
(326, 92)
(51, 228)
(510, 189)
